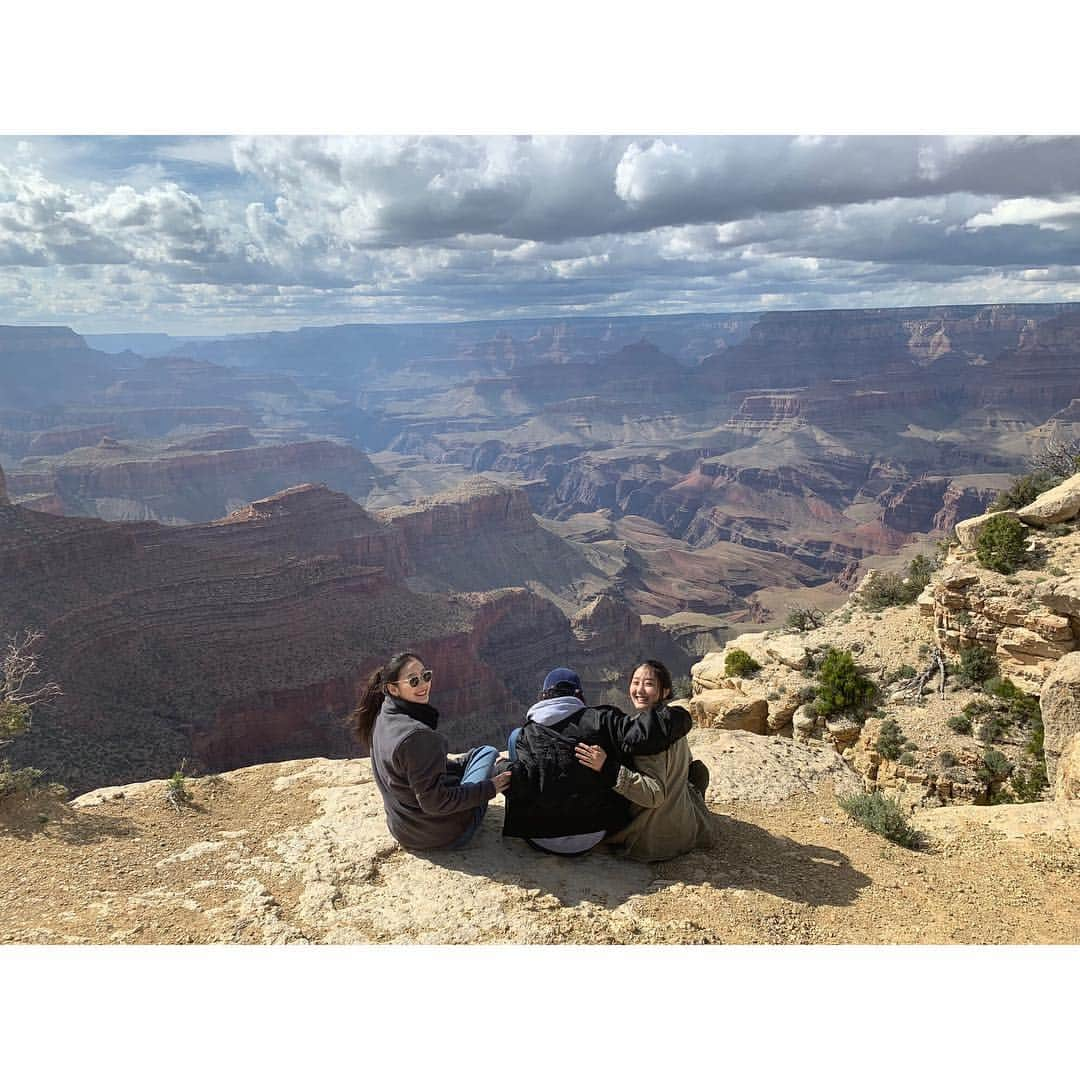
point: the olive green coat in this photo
(670, 816)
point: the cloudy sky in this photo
(212, 234)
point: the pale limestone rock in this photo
(843, 729)
(957, 578)
(1067, 786)
(731, 710)
(1061, 595)
(1006, 610)
(968, 532)
(769, 769)
(782, 710)
(802, 721)
(708, 672)
(1050, 627)
(1016, 641)
(1061, 503)
(1060, 701)
(789, 651)
(925, 600)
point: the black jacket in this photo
(553, 794)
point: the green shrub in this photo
(1029, 785)
(804, 619)
(975, 665)
(17, 781)
(918, 572)
(907, 758)
(947, 759)
(889, 589)
(1000, 545)
(176, 791)
(995, 766)
(960, 724)
(1024, 490)
(740, 663)
(14, 719)
(883, 816)
(992, 728)
(841, 688)
(890, 740)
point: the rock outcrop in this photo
(1060, 700)
(1061, 503)
(973, 606)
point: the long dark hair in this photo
(374, 693)
(662, 675)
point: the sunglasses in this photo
(415, 680)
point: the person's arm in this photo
(644, 785)
(650, 732)
(424, 764)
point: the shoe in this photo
(699, 776)
(458, 760)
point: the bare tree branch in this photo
(913, 687)
(1059, 458)
(19, 669)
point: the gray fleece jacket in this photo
(426, 807)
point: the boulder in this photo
(783, 708)
(1016, 641)
(789, 651)
(708, 673)
(1061, 503)
(925, 600)
(1067, 786)
(1061, 595)
(843, 729)
(731, 710)
(1060, 701)
(803, 721)
(969, 531)
(1048, 626)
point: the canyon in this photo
(221, 537)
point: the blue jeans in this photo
(511, 743)
(479, 766)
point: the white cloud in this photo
(1056, 215)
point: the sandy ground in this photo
(298, 852)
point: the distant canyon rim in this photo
(221, 537)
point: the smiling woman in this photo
(432, 799)
(666, 790)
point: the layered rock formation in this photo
(247, 639)
(123, 483)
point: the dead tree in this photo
(913, 687)
(19, 672)
(1058, 458)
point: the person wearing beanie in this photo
(555, 802)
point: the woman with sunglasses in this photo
(432, 799)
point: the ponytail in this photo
(374, 694)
